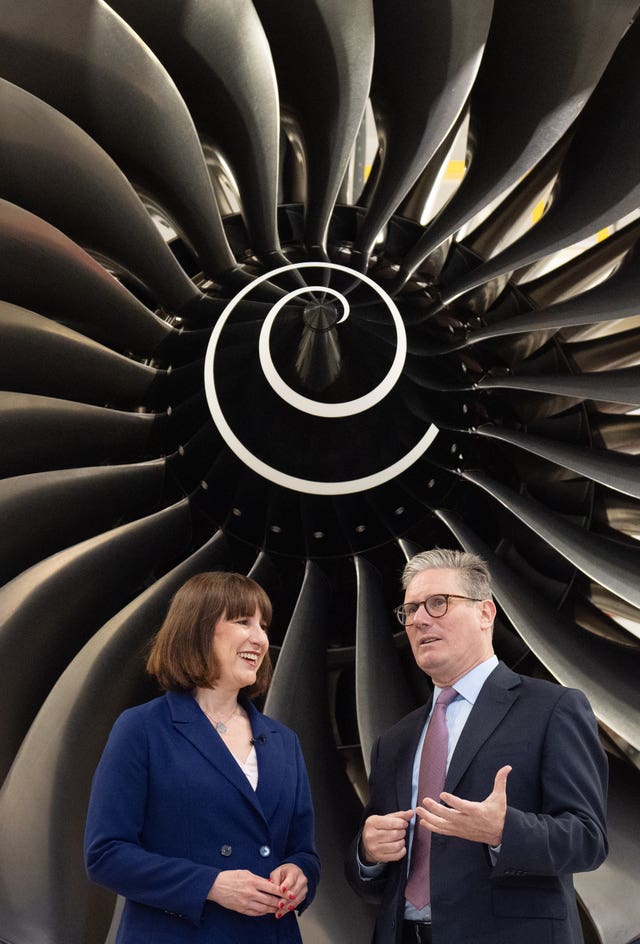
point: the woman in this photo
(200, 812)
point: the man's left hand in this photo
(466, 819)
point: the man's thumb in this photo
(500, 783)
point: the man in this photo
(489, 858)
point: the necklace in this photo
(220, 726)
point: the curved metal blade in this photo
(621, 433)
(378, 666)
(323, 78)
(604, 673)
(616, 512)
(614, 299)
(592, 619)
(615, 470)
(298, 697)
(610, 603)
(41, 433)
(615, 567)
(55, 608)
(611, 893)
(63, 508)
(43, 357)
(615, 254)
(612, 386)
(426, 60)
(71, 286)
(616, 350)
(55, 170)
(82, 58)
(218, 55)
(598, 183)
(517, 122)
(44, 798)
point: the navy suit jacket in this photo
(170, 808)
(555, 823)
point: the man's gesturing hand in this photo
(480, 822)
(384, 837)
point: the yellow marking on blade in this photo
(538, 211)
(454, 171)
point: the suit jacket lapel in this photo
(406, 744)
(496, 697)
(192, 723)
(272, 760)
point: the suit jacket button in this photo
(265, 851)
(226, 850)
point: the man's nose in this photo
(422, 613)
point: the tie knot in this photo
(446, 696)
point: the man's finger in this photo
(432, 822)
(500, 783)
(397, 820)
(456, 803)
(438, 811)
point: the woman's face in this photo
(239, 646)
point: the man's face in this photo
(449, 647)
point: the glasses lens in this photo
(405, 613)
(437, 605)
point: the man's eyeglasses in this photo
(436, 606)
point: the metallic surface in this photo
(181, 212)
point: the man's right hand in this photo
(384, 837)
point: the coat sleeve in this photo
(370, 889)
(301, 850)
(569, 833)
(114, 853)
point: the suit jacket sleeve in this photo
(370, 889)
(568, 834)
(114, 854)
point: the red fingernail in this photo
(284, 888)
(291, 895)
(278, 916)
(290, 907)
(281, 904)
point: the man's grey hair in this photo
(474, 571)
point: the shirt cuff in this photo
(494, 852)
(368, 872)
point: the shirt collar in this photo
(470, 684)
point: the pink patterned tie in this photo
(433, 766)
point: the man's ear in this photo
(488, 610)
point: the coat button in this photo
(226, 850)
(265, 851)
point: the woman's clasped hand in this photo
(249, 894)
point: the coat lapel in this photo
(406, 745)
(272, 760)
(496, 697)
(192, 724)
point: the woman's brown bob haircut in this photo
(181, 656)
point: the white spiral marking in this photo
(316, 408)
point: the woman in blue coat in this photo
(200, 812)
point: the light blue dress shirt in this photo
(468, 688)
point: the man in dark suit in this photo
(489, 858)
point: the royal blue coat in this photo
(170, 808)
